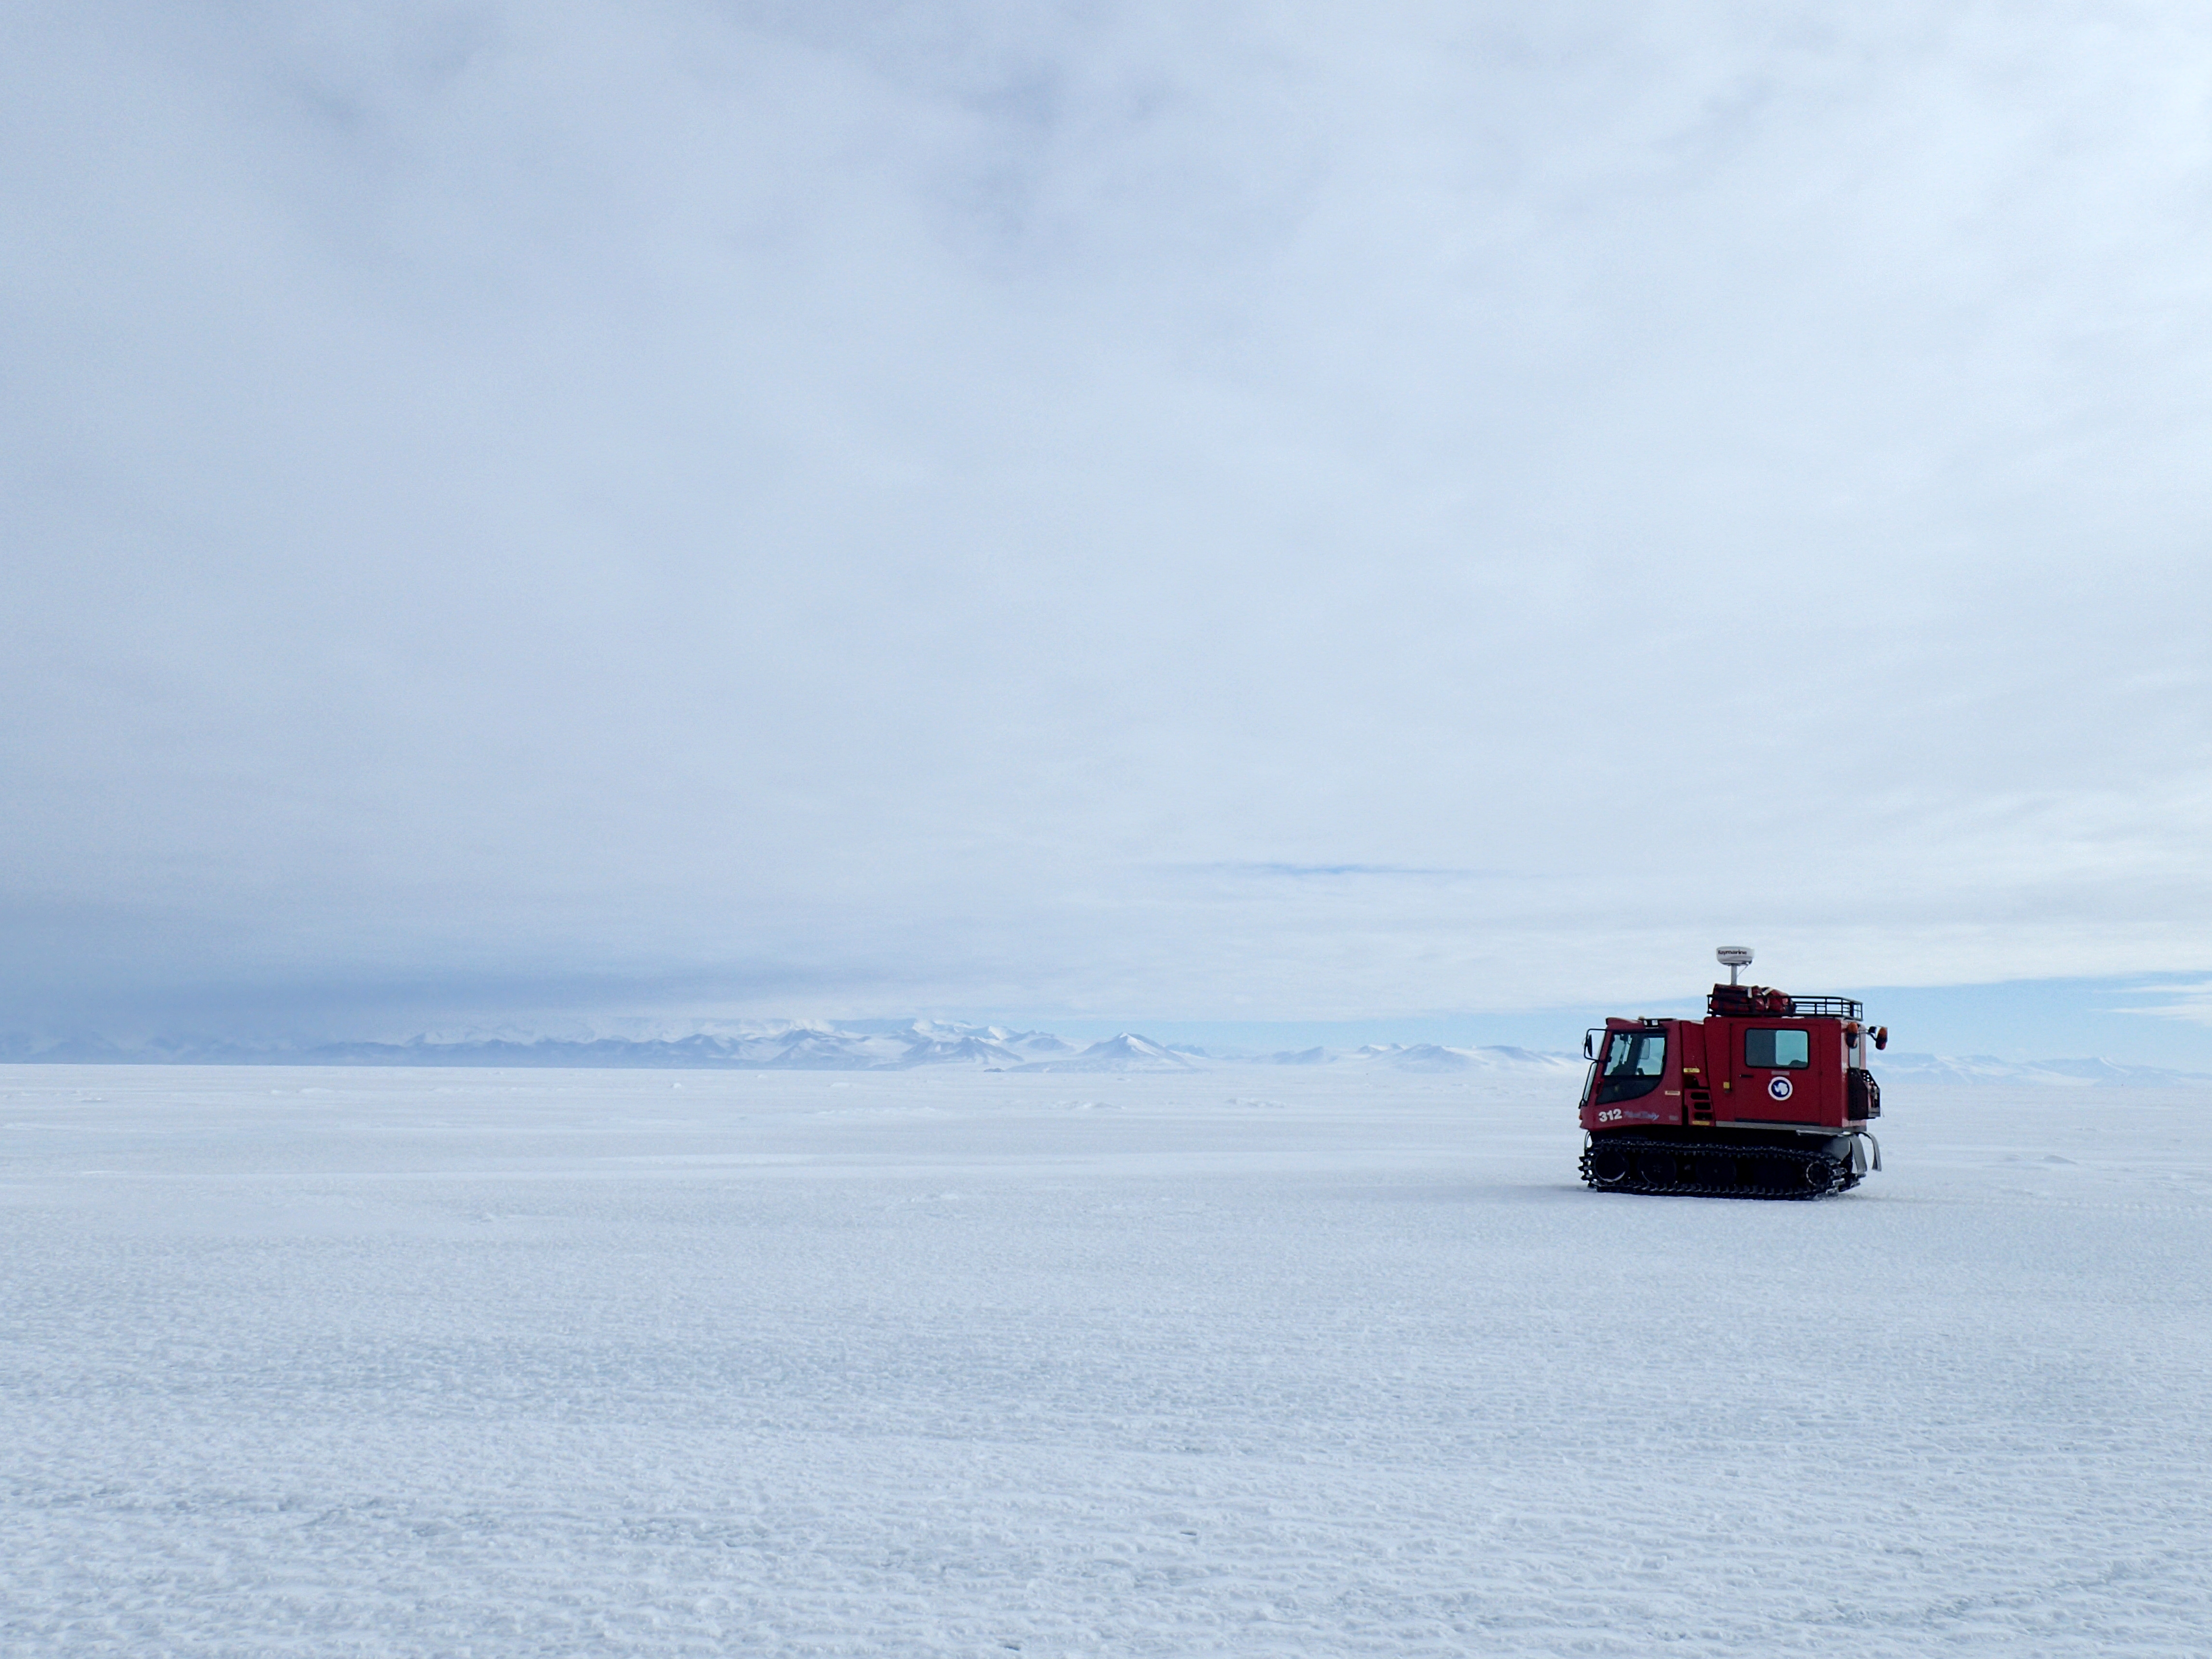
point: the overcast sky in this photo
(1102, 510)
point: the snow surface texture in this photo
(1294, 1361)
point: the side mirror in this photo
(1881, 1037)
(1587, 1052)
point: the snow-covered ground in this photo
(1278, 1361)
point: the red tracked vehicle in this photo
(1767, 1097)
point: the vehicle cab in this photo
(1760, 1059)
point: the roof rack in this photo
(1752, 1001)
(1825, 1008)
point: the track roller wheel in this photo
(1819, 1176)
(1608, 1166)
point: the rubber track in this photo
(1776, 1172)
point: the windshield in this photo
(1634, 1062)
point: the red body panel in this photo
(1709, 1078)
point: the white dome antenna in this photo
(1734, 957)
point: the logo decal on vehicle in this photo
(1778, 1087)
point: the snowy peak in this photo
(1126, 1053)
(1437, 1057)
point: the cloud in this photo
(2189, 1003)
(871, 504)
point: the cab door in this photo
(1775, 1079)
(1632, 1069)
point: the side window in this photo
(1777, 1051)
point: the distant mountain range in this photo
(2062, 1073)
(790, 1047)
(884, 1046)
